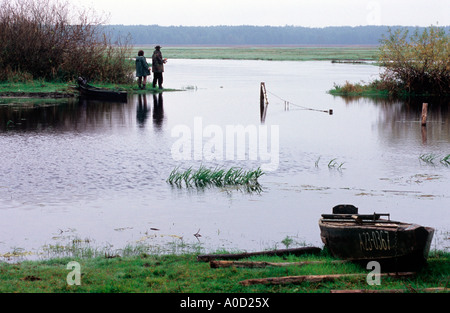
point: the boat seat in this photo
(345, 209)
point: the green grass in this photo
(217, 177)
(35, 86)
(359, 89)
(333, 164)
(23, 85)
(39, 88)
(184, 274)
(375, 89)
(331, 53)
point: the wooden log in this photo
(424, 113)
(263, 102)
(236, 256)
(436, 289)
(261, 98)
(249, 264)
(424, 134)
(313, 278)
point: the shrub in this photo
(51, 39)
(417, 64)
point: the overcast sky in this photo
(309, 13)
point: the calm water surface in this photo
(97, 171)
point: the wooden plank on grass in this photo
(435, 289)
(236, 256)
(313, 278)
(250, 264)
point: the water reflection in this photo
(158, 111)
(80, 114)
(101, 167)
(407, 109)
(400, 120)
(142, 111)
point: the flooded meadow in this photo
(96, 172)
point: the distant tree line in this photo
(251, 35)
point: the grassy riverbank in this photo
(359, 89)
(270, 53)
(146, 273)
(40, 89)
(23, 86)
(36, 88)
(374, 89)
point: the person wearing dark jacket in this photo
(158, 67)
(142, 69)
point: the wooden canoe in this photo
(368, 237)
(96, 93)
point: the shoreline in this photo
(36, 95)
(336, 54)
(64, 90)
(186, 273)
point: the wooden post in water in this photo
(261, 97)
(263, 102)
(424, 114)
(424, 134)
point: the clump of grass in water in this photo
(431, 157)
(334, 164)
(446, 160)
(218, 177)
(428, 158)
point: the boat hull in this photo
(403, 244)
(102, 94)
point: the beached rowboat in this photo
(92, 92)
(369, 237)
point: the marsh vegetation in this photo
(431, 158)
(217, 177)
(412, 64)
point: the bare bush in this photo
(417, 63)
(51, 39)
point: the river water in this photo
(95, 172)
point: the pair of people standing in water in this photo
(143, 69)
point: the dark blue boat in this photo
(92, 92)
(369, 237)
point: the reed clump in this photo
(376, 88)
(217, 177)
(430, 158)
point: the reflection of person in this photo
(142, 69)
(142, 110)
(158, 111)
(158, 67)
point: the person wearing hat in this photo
(158, 67)
(142, 69)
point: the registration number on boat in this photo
(374, 240)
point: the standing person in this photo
(158, 67)
(142, 69)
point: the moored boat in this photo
(92, 92)
(374, 237)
